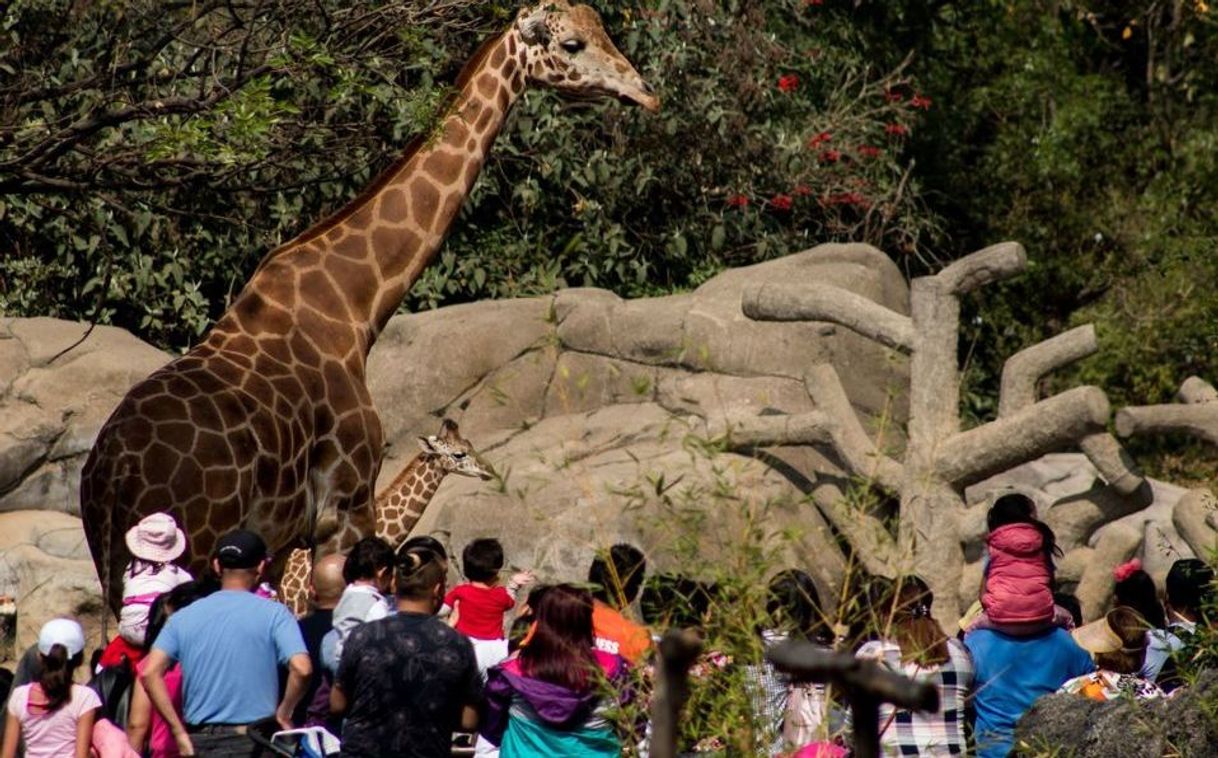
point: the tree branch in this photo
(978, 269)
(1197, 419)
(744, 433)
(826, 302)
(1197, 390)
(1023, 370)
(1029, 433)
(850, 440)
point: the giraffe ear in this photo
(428, 444)
(533, 29)
(448, 429)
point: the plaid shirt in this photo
(941, 733)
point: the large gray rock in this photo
(585, 402)
(45, 566)
(593, 408)
(52, 406)
(1183, 725)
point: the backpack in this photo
(113, 685)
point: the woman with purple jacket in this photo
(550, 699)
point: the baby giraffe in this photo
(400, 506)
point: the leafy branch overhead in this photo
(151, 153)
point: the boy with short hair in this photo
(480, 604)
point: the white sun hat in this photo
(156, 538)
(64, 632)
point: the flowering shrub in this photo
(759, 99)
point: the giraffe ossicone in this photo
(268, 424)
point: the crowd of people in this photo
(392, 662)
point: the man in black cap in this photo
(230, 645)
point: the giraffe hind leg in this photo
(294, 587)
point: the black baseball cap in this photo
(240, 549)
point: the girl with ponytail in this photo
(53, 717)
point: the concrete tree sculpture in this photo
(940, 458)
(1196, 414)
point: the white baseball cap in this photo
(64, 632)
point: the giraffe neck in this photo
(401, 506)
(354, 269)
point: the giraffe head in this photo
(456, 454)
(566, 48)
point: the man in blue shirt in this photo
(230, 645)
(1011, 673)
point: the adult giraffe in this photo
(268, 423)
(400, 505)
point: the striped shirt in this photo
(911, 733)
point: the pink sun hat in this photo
(156, 538)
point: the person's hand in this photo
(284, 718)
(523, 578)
(455, 616)
(185, 747)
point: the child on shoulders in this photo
(155, 542)
(1017, 591)
(479, 605)
(368, 572)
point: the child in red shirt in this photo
(478, 606)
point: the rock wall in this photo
(584, 402)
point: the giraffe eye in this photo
(573, 45)
(459, 456)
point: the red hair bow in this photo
(1127, 569)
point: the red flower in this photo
(846, 198)
(801, 190)
(918, 101)
(781, 202)
(819, 140)
(814, 2)
(788, 83)
(869, 151)
(893, 96)
(738, 201)
(830, 156)
(896, 130)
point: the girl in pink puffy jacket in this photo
(1017, 592)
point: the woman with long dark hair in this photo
(552, 698)
(53, 717)
(914, 645)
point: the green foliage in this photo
(217, 142)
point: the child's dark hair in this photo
(1135, 589)
(56, 676)
(1018, 508)
(482, 559)
(172, 601)
(674, 600)
(1071, 604)
(794, 605)
(618, 578)
(367, 558)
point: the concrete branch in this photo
(1023, 370)
(1043, 427)
(1197, 419)
(850, 440)
(1197, 390)
(994, 263)
(825, 302)
(812, 428)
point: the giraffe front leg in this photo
(294, 586)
